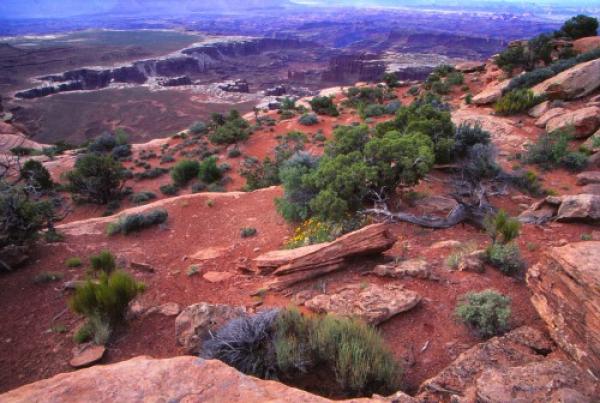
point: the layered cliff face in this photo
(354, 67)
(566, 293)
(191, 62)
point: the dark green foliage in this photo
(167, 158)
(137, 222)
(440, 87)
(392, 107)
(480, 163)
(198, 127)
(234, 153)
(23, 151)
(122, 151)
(286, 344)
(293, 206)
(552, 150)
(580, 27)
(208, 171)
(288, 104)
(455, 78)
(516, 101)
(73, 262)
(96, 178)
(414, 91)
(102, 144)
(487, 312)
(373, 110)
(365, 95)
(529, 182)
(247, 232)
(104, 262)
(184, 171)
(391, 79)
(169, 189)
(324, 106)
(142, 197)
(36, 175)
(230, 129)
(21, 217)
(308, 119)
(512, 58)
(104, 302)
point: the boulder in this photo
(194, 324)
(593, 142)
(516, 348)
(166, 309)
(217, 276)
(538, 110)
(87, 355)
(581, 206)
(548, 115)
(491, 94)
(179, 379)
(576, 82)
(416, 268)
(470, 67)
(546, 381)
(593, 189)
(586, 44)
(372, 303)
(583, 121)
(588, 177)
(565, 288)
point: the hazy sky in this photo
(66, 8)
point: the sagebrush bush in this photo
(324, 106)
(137, 222)
(142, 197)
(487, 312)
(198, 127)
(506, 257)
(285, 344)
(184, 171)
(580, 26)
(169, 189)
(552, 149)
(248, 232)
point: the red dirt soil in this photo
(30, 350)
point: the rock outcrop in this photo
(583, 122)
(576, 82)
(518, 347)
(181, 379)
(582, 207)
(416, 268)
(566, 293)
(372, 303)
(586, 44)
(549, 115)
(491, 93)
(194, 324)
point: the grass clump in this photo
(184, 171)
(103, 303)
(487, 312)
(137, 222)
(47, 277)
(142, 197)
(552, 150)
(516, 101)
(248, 232)
(103, 262)
(73, 262)
(503, 253)
(169, 189)
(286, 344)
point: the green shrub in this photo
(169, 189)
(516, 101)
(73, 262)
(324, 106)
(142, 197)
(21, 217)
(229, 129)
(487, 312)
(414, 91)
(574, 161)
(184, 171)
(23, 151)
(35, 174)
(234, 153)
(441, 88)
(552, 150)
(285, 344)
(103, 262)
(373, 110)
(96, 178)
(391, 79)
(501, 227)
(512, 58)
(150, 173)
(455, 78)
(137, 222)
(529, 182)
(208, 171)
(580, 27)
(467, 136)
(167, 158)
(248, 232)
(198, 187)
(102, 144)
(506, 257)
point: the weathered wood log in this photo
(371, 239)
(295, 265)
